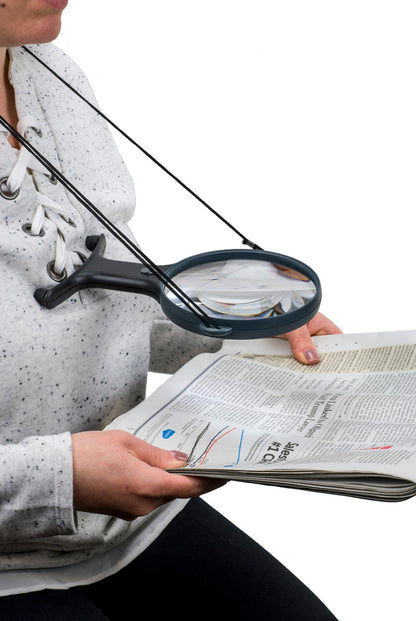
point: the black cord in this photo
(110, 226)
(245, 240)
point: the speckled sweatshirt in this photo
(80, 365)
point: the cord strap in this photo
(110, 226)
(245, 240)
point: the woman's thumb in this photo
(157, 457)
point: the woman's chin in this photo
(46, 31)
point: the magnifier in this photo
(235, 294)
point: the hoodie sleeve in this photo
(171, 346)
(36, 494)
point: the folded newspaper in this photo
(252, 413)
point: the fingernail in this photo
(311, 355)
(179, 456)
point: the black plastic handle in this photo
(99, 272)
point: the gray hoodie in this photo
(80, 365)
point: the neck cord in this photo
(110, 226)
(245, 240)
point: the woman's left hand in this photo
(301, 342)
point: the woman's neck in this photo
(7, 101)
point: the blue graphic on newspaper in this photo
(167, 433)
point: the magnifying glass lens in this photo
(245, 289)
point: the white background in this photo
(296, 120)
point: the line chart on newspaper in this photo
(252, 413)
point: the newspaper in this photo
(252, 413)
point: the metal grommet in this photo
(53, 179)
(5, 192)
(38, 131)
(27, 228)
(54, 275)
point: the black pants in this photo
(201, 567)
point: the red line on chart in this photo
(215, 441)
(374, 448)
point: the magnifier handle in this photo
(99, 272)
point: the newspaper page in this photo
(252, 412)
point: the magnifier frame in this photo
(235, 328)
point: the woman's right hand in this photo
(120, 475)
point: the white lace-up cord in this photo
(64, 260)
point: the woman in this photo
(70, 492)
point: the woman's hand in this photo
(301, 342)
(117, 474)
